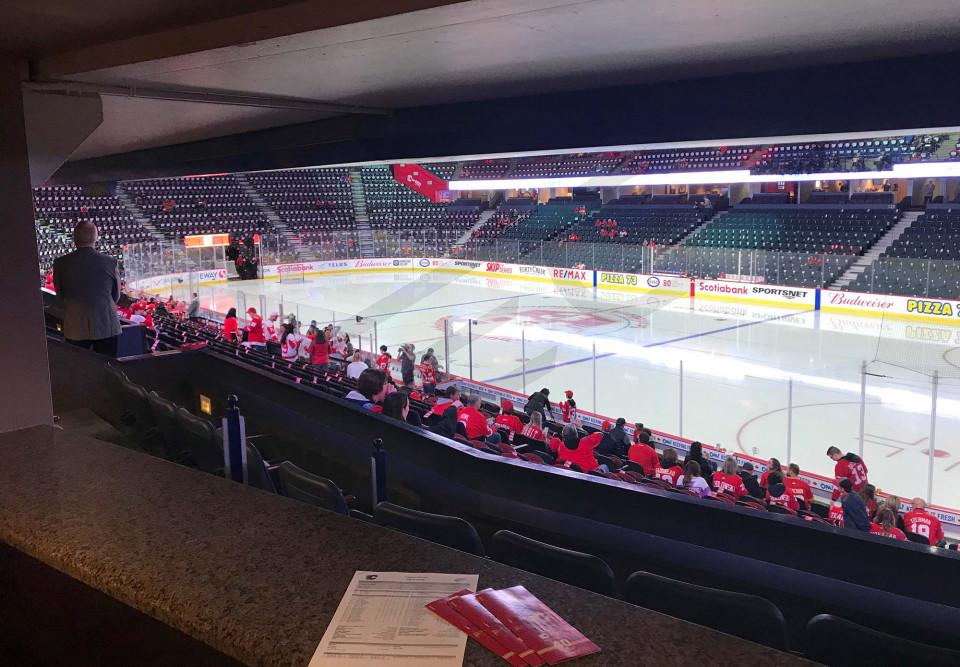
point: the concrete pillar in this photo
(25, 395)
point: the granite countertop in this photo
(257, 576)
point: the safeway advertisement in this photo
(422, 181)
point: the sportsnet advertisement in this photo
(945, 311)
(796, 297)
(638, 282)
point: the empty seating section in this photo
(839, 231)
(921, 262)
(393, 206)
(857, 155)
(179, 207)
(680, 159)
(567, 165)
(486, 169)
(59, 208)
(316, 205)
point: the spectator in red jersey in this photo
(231, 328)
(854, 511)
(320, 348)
(869, 495)
(383, 360)
(921, 522)
(371, 389)
(448, 398)
(566, 405)
(692, 481)
(726, 480)
(254, 330)
(835, 516)
(555, 439)
(886, 526)
(643, 454)
(48, 279)
(849, 466)
(669, 469)
(573, 450)
(750, 480)
(774, 466)
(428, 376)
(473, 420)
(798, 487)
(507, 420)
(593, 440)
(777, 493)
(534, 428)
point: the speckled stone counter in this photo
(258, 577)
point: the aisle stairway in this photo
(138, 214)
(863, 262)
(364, 231)
(467, 235)
(290, 239)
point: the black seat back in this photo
(838, 642)
(297, 483)
(746, 616)
(165, 414)
(571, 567)
(203, 445)
(257, 474)
(450, 531)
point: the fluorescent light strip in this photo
(916, 170)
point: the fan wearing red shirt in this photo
(231, 328)
(593, 440)
(473, 420)
(319, 347)
(255, 328)
(848, 466)
(772, 465)
(886, 525)
(726, 480)
(797, 487)
(643, 454)
(918, 521)
(566, 406)
(534, 428)
(777, 493)
(383, 361)
(668, 469)
(428, 377)
(572, 450)
(506, 419)
(835, 515)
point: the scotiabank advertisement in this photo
(638, 282)
(900, 307)
(755, 293)
(422, 181)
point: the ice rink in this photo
(621, 353)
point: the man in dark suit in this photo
(88, 288)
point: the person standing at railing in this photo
(231, 328)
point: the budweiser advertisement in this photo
(422, 181)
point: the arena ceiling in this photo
(389, 54)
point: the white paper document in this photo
(382, 620)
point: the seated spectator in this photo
(534, 428)
(447, 425)
(593, 440)
(555, 439)
(848, 466)
(410, 390)
(572, 450)
(371, 389)
(750, 480)
(886, 525)
(356, 367)
(696, 454)
(921, 522)
(669, 469)
(726, 480)
(835, 515)
(798, 487)
(506, 419)
(692, 481)
(474, 423)
(773, 466)
(615, 441)
(396, 405)
(643, 454)
(450, 397)
(854, 511)
(869, 495)
(892, 503)
(777, 493)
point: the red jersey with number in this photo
(255, 330)
(383, 362)
(427, 374)
(509, 422)
(732, 484)
(855, 472)
(668, 474)
(582, 456)
(799, 489)
(474, 423)
(895, 533)
(927, 525)
(290, 348)
(644, 456)
(785, 499)
(836, 515)
(534, 433)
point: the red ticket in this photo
(536, 624)
(444, 610)
(470, 608)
